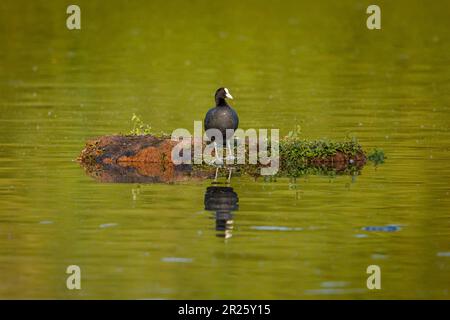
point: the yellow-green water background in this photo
(287, 63)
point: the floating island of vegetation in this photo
(143, 156)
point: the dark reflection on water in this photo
(222, 201)
(148, 172)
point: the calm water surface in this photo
(291, 63)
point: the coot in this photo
(222, 117)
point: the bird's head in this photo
(221, 95)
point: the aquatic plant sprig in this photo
(141, 128)
(377, 156)
(294, 134)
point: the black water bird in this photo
(223, 201)
(222, 117)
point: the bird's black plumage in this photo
(222, 116)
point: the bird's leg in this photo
(229, 175)
(217, 161)
(217, 172)
(230, 152)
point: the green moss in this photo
(300, 157)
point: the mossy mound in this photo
(147, 158)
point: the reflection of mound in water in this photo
(222, 200)
(143, 173)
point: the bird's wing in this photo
(237, 119)
(208, 118)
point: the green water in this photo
(286, 63)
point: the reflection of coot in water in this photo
(222, 200)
